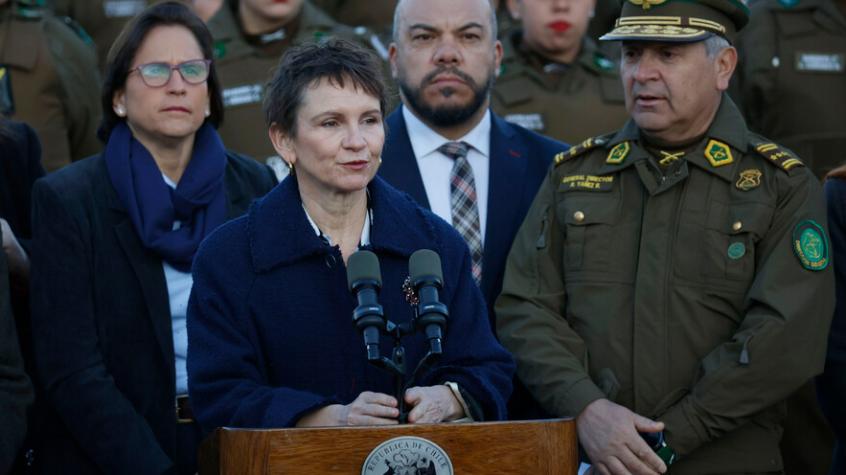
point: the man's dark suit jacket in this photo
(102, 325)
(519, 160)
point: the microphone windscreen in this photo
(425, 264)
(363, 266)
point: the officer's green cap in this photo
(679, 21)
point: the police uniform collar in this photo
(226, 34)
(728, 128)
(398, 226)
(727, 132)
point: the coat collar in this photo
(728, 127)
(279, 232)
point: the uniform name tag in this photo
(123, 8)
(820, 62)
(587, 182)
(527, 121)
(237, 96)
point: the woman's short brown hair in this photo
(126, 46)
(305, 65)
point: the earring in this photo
(208, 112)
(120, 111)
(380, 159)
(290, 167)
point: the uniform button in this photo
(579, 216)
(737, 226)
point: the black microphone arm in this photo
(364, 279)
(424, 267)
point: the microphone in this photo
(424, 267)
(365, 280)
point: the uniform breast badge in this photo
(749, 179)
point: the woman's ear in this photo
(282, 143)
(119, 103)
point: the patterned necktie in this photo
(465, 212)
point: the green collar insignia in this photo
(718, 153)
(618, 153)
(810, 245)
(788, 3)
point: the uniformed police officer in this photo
(792, 77)
(553, 80)
(249, 37)
(672, 279)
(791, 85)
(49, 79)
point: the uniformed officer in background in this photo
(553, 80)
(791, 86)
(249, 37)
(791, 81)
(672, 281)
(49, 79)
(104, 19)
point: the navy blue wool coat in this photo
(270, 318)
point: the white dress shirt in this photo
(436, 168)
(178, 290)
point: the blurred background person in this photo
(249, 38)
(791, 87)
(553, 79)
(19, 166)
(831, 385)
(113, 241)
(791, 81)
(49, 79)
(103, 20)
(269, 323)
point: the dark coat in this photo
(831, 385)
(101, 322)
(269, 319)
(519, 161)
(15, 388)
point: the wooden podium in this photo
(544, 447)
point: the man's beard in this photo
(445, 116)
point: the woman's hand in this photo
(432, 404)
(368, 409)
(18, 260)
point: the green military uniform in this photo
(102, 19)
(791, 85)
(378, 15)
(690, 283)
(49, 79)
(791, 79)
(244, 65)
(680, 297)
(568, 102)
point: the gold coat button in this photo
(737, 226)
(579, 216)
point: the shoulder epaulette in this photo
(580, 149)
(776, 154)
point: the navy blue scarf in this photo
(198, 202)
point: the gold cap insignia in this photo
(647, 4)
(618, 153)
(749, 179)
(718, 153)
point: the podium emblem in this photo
(407, 456)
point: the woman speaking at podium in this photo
(271, 337)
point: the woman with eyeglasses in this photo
(114, 237)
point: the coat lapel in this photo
(508, 158)
(399, 165)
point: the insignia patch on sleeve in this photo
(811, 245)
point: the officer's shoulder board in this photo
(582, 148)
(776, 154)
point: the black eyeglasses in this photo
(195, 71)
